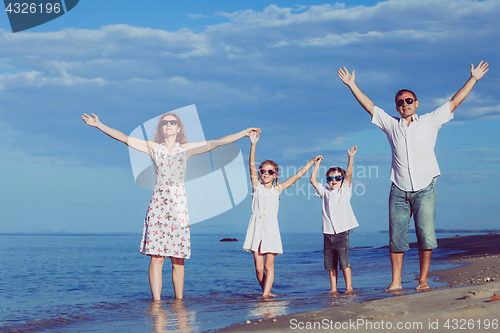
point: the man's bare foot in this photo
(422, 286)
(394, 287)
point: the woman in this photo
(166, 228)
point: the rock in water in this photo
(228, 240)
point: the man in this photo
(414, 169)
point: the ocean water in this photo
(99, 283)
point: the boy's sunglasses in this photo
(167, 122)
(270, 172)
(408, 101)
(337, 178)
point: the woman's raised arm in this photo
(137, 144)
(195, 148)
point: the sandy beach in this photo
(469, 302)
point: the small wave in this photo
(44, 324)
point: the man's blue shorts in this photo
(422, 205)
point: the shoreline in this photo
(467, 302)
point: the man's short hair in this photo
(399, 93)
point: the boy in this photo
(337, 218)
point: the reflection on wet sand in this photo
(171, 316)
(339, 298)
(268, 308)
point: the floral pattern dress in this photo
(166, 227)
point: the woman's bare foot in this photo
(349, 291)
(333, 292)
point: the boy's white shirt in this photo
(337, 214)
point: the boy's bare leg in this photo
(348, 279)
(333, 281)
(397, 268)
(424, 257)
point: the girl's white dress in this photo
(263, 228)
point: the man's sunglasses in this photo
(408, 101)
(337, 178)
(167, 122)
(270, 172)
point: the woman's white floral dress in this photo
(166, 227)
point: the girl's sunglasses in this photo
(337, 178)
(408, 101)
(270, 172)
(167, 122)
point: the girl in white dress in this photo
(263, 235)
(166, 231)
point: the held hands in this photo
(91, 120)
(346, 77)
(250, 130)
(351, 152)
(479, 71)
(254, 136)
(317, 159)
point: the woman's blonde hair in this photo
(181, 136)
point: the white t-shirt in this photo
(414, 163)
(337, 214)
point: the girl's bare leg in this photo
(155, 276)
(333, 281)
(178, 276)
(348, 279)
(269, 276)
(259, 268)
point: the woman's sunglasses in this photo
(337, 178)
(270, 172)
(408, 101)
(169, 122)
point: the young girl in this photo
(166, 231)
(263, 235)
(337, 219)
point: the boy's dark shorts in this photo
(336, 249)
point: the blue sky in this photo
(244, 64)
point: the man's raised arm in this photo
(475, 75)
(363, 100)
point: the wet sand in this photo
(468, 303)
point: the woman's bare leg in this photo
(178, 276)
(155, 276)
